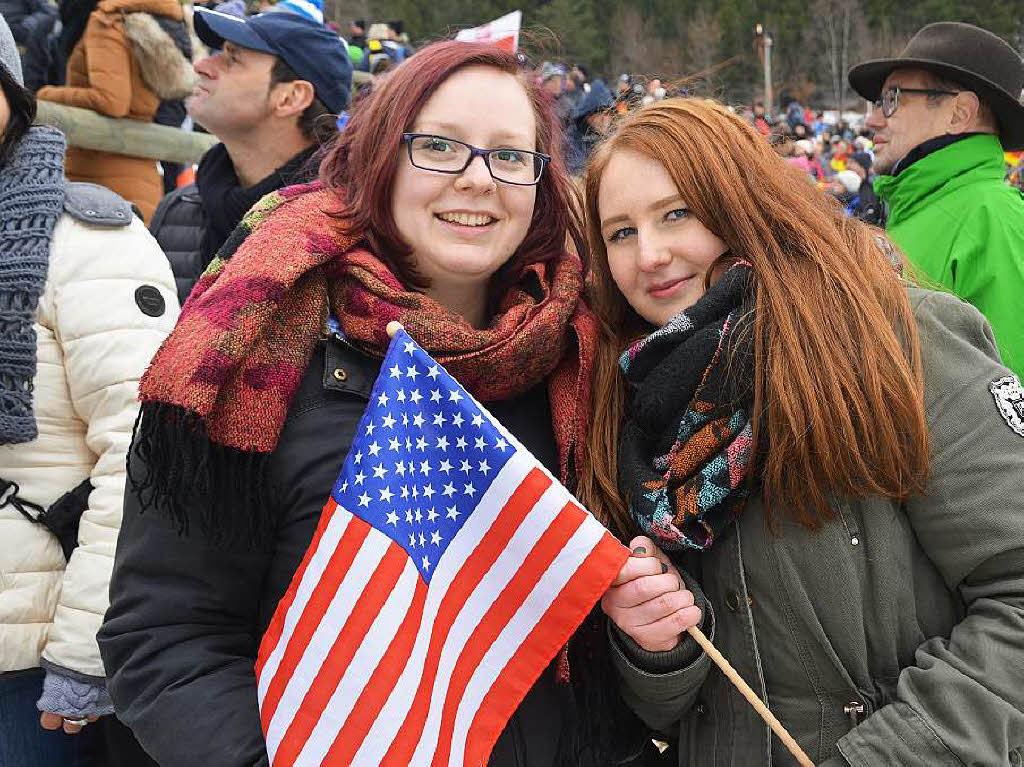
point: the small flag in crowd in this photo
(447, 571)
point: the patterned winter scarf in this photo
(217, 393)
(31, 201)
(685, 449)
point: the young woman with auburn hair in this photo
(832, 458)
(444, 206)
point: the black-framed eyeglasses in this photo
(889, 101)
(446, 155)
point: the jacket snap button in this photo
(732, 600)
(700, 709)
(340, 374)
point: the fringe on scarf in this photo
(176, 470)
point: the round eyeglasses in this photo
(446, 155)
(889, 101)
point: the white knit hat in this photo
(9, 52)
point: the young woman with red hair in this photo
(445, 206)
(834, 455)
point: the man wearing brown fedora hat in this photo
(945, 111)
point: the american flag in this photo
(448, 569)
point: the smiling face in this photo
(658, 252)
(462, 227)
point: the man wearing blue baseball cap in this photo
(271, 92)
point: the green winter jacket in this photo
(894, 635)
(962, 225)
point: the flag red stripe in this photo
(337, 567)
(497, 617)
(364, 613)
(273, 633)
(475, 567)
(552, 631)
(373, 697)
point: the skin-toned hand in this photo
(52, 721)
(648, 600)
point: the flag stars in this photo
(460, 443)
(370, 428)
(359, 478)
(484, 467)
(374, 449)
(478, 420)
(417, 420)
(432, 515)
(415, 397)
(386, 495)
(423, 542)
(439, 419)
(453, 513)
(408, 516)
(419, 516)
(428, 491)
(364, 500)
(442, 442)
(458, 420)
(449, 489)
(454, 396)
(412, 540)
(425, 468)
(435, 395)
(344, 487)
(379, 471)
(412, 372)
(410, 347)
(426, 563)
(466, 467)
(357, 458)
(433, 372)
(421, 443)
(396, 372)
(501, 444)
(469, 490)
(392, 518)
(405, 492)
(382, 400)
(405, 419)
(446, 465)
(393, 444)
(435, 538)
(480, 443)
(400, 395)
(388, 422)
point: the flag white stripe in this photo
(349, 590)
(314, 571)
(565, 565)
(362, 667)
(470, 616)
(379, 738)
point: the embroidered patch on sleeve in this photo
(1009, 398)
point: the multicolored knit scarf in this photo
(218, 391)
(685, 449)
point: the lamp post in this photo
(765, 38)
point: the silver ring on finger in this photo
(76, 722)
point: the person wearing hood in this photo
(130, 56)
(591, 121)
(868, 207)
(945, 111)
(86, 297)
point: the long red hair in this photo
(838, 391)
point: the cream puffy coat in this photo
(94, 343)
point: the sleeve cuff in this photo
(70, 697)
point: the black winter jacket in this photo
(186, 618)
(178, 226)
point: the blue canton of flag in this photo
(423, 455)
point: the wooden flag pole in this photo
(751, 696)
(392, 328)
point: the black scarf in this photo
(685, 451)
(226, 201)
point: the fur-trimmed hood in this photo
(162, 47)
